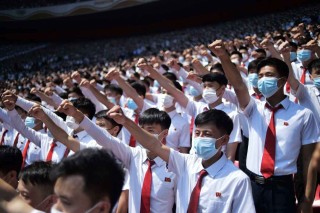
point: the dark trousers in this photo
(274, 197)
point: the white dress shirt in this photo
(309, 97)
(224, 189)
(295, 126)
(135, 160)
(195, 108)
(41, 140)
(179, 131)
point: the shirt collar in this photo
(214, 168)
(172, 113)
(158, 161)
(285, 103)
(81, 134)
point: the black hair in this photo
(292, 44)
(102, 174)
(76, 90)
(85, 106)
(103, 114)
(171, 76)
(32, 97)
(155, 116)
(253, 65)
(314, 64)
(243, 48)
(260, 50)
(38, 174)
(140, 88)
(218, 118)
(217, 66)
(10, 159)
(217, 77)
(279, 65)
(236, 53)
(177, 85)
(165, 67)
(114, 88)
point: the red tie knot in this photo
(274, 109)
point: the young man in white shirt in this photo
(152, 187)
(208, 181)
(279, 131)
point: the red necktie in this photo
(303, 76)
(16, 140)
(24, 153)
(195, 195)
(269, 153)
(146, 189)
(2, 138)
(49, 156)
(258, 96)
(132, 141)
(191, 124)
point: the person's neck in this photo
(210, 161)
(276, 98)
(214, 104)
(197, 98)
(38, 127)
(77, 130)
(151, 155)
(256, 90)
(170, 109)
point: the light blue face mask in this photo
(268, 86)
(316, 82)
(193, 92)
(112, 100)
(304, 55)
(156, 84)
(30, 122)
(293, 56)
(205, 147)
(131, 104)
(253, 79)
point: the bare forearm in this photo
(61, 135)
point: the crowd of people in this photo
(215, 119)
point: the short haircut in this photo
(10, 159)
(102, 174)
(171, 76)
(114, 88)
(243, 48)
(218, 118)
(314, 64)
(85, 106)
(236, 53)
(253, 65)
(260, 50)
(177, 85)
(140, 88)
(103, 114)
(218, 67)
(38, 174)
(279, 65)
(76, 90)
(155, 116)
(215, 77)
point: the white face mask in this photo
(210, 95)
(165, 101)
(71, 123)
(236, 61)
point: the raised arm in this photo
(127, 88)
(231, 72)
(43, 97)
(146, 139)
(284, 49)
(165, 83)
(100, 97)
(266, 43)
(59, 134)
(102, 136)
